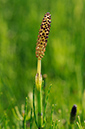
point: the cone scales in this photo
(43, 36)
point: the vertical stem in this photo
(24, 122)
(38, 77)
(52, 116)
(39, 67)
(44, 96)
(56, 124)
(34, 105)
(39, 94)
(31, 119)
(39, 98)
(44, 117)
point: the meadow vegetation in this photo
(63, 63)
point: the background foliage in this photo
(64, 61)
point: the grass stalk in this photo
(34, 105)
(24, 122)
(31, 119)
(56, 123)
(52, 123)
(44, 116)
(44, 96)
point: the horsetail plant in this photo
(40, 49)
(73, 114)
(40, 118)
(52, 122)
(79, 123)
(23, 116)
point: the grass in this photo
(63, 62)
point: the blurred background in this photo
(64, 60)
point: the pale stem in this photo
(39, 96)
(39, 67)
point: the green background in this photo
(64, 60)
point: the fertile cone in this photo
(43, 36)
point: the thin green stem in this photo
(44, 96)
(24, 122)
(31, 119)
(52, 116)
(56, 123)
(79, 123)
(39, 99)
(44, 117)
(34, 105)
